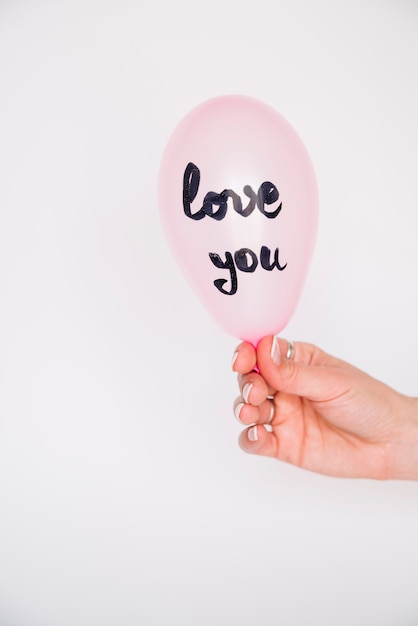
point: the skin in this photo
(324, 415)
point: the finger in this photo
(253, 388)
(316, 382)
(270, 390)
(266, 412)
(244, 358)
(257, 440)
(248, 414)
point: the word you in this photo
(215, 205)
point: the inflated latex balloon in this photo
(239, 203)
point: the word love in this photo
(215, 205)
(266, 195)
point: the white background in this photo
(124, 498)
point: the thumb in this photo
(319, 382)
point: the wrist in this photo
(404, 445)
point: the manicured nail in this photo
(270, 419)
(237, 411)
(234, 358)
(246, 391)
(275, 351)
(253, 433)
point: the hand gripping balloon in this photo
(239, 203)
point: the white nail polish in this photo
(253, 433)
(275, 351)
(237, 411)
(246, 391)
(270, 419)
(234, 358)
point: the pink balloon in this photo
(239, 203)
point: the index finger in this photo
(244, 359)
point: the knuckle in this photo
(313, 352)
(290, 376)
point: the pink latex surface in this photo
(236, 142)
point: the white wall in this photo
(124, 498)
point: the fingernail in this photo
(237, 411)
(275, 351)
(271, 414)
(234, 358)
(246, 391)
(253, 433)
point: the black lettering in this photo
(267, 194)
(250, 193)
(236, 200)
(265, 259)
(219, 199)
(227, 264)
(241, 260)
(191, 181)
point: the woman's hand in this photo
(323, 414)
